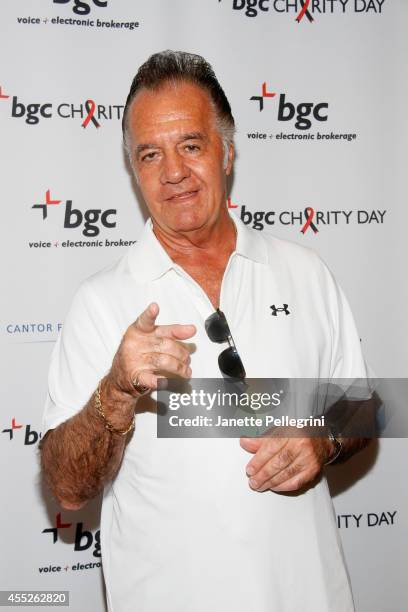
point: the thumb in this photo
(251, 445)
(146, 322)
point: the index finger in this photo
(176, 331)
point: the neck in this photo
(202, 253)
(212, 240)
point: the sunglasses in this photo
(229, 360)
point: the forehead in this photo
(171, 107)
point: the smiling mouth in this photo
(179, 197)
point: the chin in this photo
(187, 222)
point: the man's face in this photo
(178, 157)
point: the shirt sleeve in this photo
(347, 357)
(79, 360)
(348, 368)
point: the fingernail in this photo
(250, 470)
(253, 483)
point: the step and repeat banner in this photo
(318, 89)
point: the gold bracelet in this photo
(108, 425)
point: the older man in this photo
(198, 524)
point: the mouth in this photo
(181, 197)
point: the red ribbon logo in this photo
(309, 214)
(90, 109)
(304, 11)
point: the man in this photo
(198, 524)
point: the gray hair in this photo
(178, 66)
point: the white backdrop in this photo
(62, 62)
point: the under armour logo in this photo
(276, 310)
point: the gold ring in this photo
(141, 389)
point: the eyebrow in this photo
(189, 136)
(192, 136)
(143, 147)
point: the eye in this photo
(192, 148)
(149, 156)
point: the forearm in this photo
(80, 456)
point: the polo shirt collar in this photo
(250, 243)
(148, 260)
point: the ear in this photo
(229, 160)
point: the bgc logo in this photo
(30, 435)
(82, 8)
(302, 112)
(309, 218)
(89, 111)
(75, 218)
(84, 539)
(253, 6)
(307, 9)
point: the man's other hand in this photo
(285, 464)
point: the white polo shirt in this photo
(181, 529)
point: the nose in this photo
(174, 168)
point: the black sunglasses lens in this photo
(217, 328)
(230, 363)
